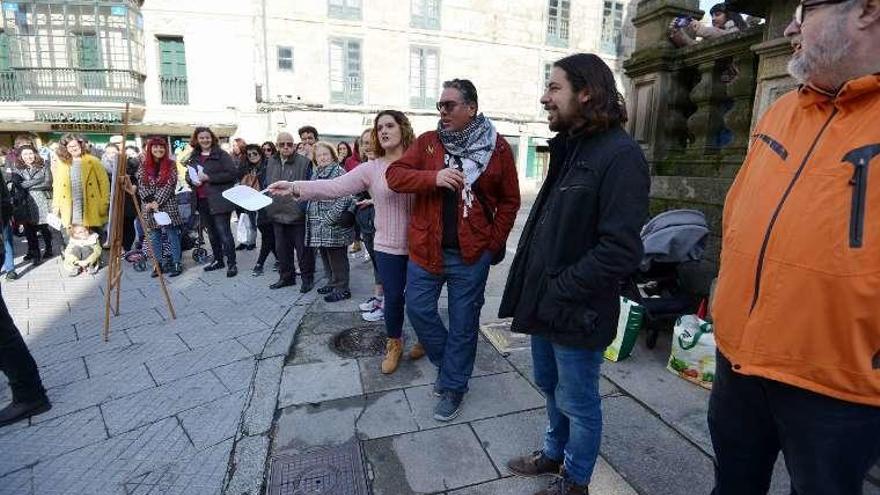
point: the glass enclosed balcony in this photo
(69, 50)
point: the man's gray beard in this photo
(825, 58)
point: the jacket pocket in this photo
(564, 316)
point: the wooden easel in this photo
(114, 268)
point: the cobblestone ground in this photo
(166, 406)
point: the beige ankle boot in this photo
(417, 351)
(393, 351)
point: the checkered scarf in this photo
(471, 149)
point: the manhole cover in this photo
(360, 342)
(323, 471)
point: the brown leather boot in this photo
(393, 352)
(534, 464)
(417, 351)
(564, 486)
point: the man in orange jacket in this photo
(797, 308)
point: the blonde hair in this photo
(329, 147)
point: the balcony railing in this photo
(174, 90)
(95, 85)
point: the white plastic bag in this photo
(693, 351)
(245, 233)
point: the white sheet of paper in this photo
(162, 218)
(53, 221)
(247, 197)
(194, 174)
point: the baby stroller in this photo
(191, 235)
(673, 277)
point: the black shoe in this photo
(175, 270)
(12, 275)
(338, 295)
(232, 271)
(306, 286)
(325, 290)
(534, 464)
(240, 247)
(29, 256)
(215, 265)
(258, 270)
(36, 260)
(251, 247)
(275, 266)
(17, 411)
(282, 283)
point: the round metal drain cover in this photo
(360, 342)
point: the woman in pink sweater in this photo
(393, 134)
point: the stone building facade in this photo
(251, 68)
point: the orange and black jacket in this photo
(798, 297)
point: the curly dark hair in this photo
(194, 139)
(62, 152)
(20, 164)
(606, 107)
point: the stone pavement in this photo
(166, 406)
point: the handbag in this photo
(346, 218)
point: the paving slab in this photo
(50, 439)
(314, 348)
(249, 465)
(98, 390)
(18, 483)
(166, 369)
(38, 336)
(513, 435)
(200, 473)
(213, 422)
(63, 373)
(428, 461)
(114, 360)
(385, 414)
(408, 374)
(77, 349)
(489, 396)
(255, 342)
(237, 375)
(319, 382)
(330, 423)
(104, 466)
(263, 397)
(153, 404)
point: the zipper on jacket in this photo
(797, 175)
(859, 158)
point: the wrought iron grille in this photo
(73, 50)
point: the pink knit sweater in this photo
(392, 209)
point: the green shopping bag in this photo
(693, 351)
(632, 315)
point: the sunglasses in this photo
(800, 12)
(448, 106)
(285, 145)
(253, 153)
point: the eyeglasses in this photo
(800, 12)
(449, 106)
(267, 150)
(253, 153)
(285, 145)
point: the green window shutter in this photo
(172, 71)
(4, 51)
(89, 52)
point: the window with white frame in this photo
(612, 23)
(344, 9)
(425, 14)
(558, 13)
(345, 72)
(424, 76)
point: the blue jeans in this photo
(392, 271)
(453, 351)
(173, 234)
(569, 379)
(9, 248)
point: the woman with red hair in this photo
(157, 184)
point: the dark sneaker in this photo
(449, 406)
(564, 486)
(337, 295)
(215, 265)
(12, 275)
(258, 270)
(241, 247)
(281, 283)
(306, 286)
(175, 270)
(18, 411)
(325, 290)
(232, 270)
(534, 464)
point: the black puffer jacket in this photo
(581, 240)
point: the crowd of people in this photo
(795, 314)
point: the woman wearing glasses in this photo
(254, 176)
(393, 134)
